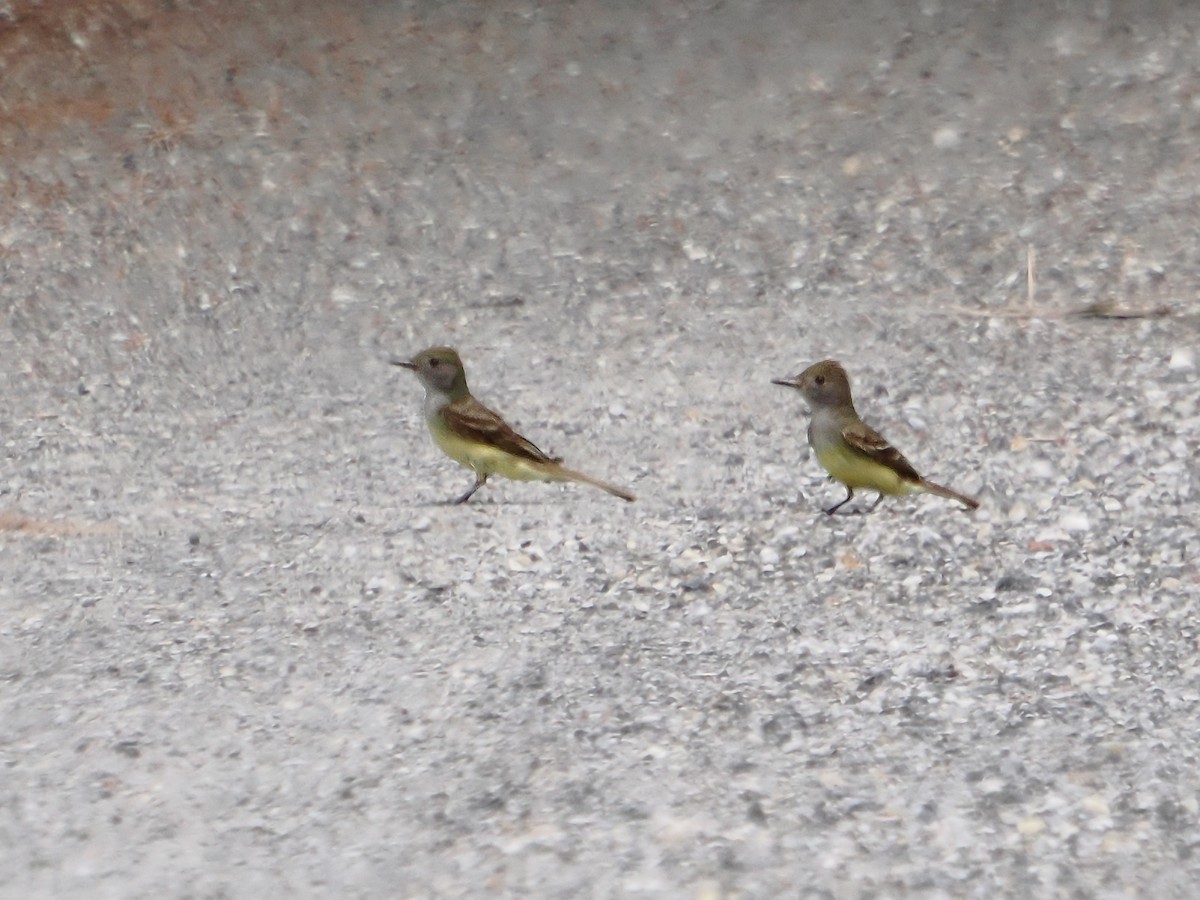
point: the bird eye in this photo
(433, 363)
(820, 379)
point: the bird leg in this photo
(480, 479)
(837, 506)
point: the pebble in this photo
(1183, 359)
(946, 138)
(1074, 521)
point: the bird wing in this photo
(874, 445)
(473, 421)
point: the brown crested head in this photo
(822, 384)
(440, 369)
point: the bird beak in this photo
(786, 382)
(404, 364)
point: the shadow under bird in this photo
(849, 449)
(474, 436)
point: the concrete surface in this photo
(247, 651)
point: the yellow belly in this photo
(486, 460)
(854, 470)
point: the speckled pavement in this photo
(247, 650)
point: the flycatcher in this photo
(850, 450)
(474, 436)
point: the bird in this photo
(478, 438)
(849, 449)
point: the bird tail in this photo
(562, 473)
(968, 502)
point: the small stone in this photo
(1183, 359)
(1074, 521)
(946, 138)
(1032, 825)
(1096, 805)
(520, 562)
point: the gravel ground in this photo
(247, 650)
